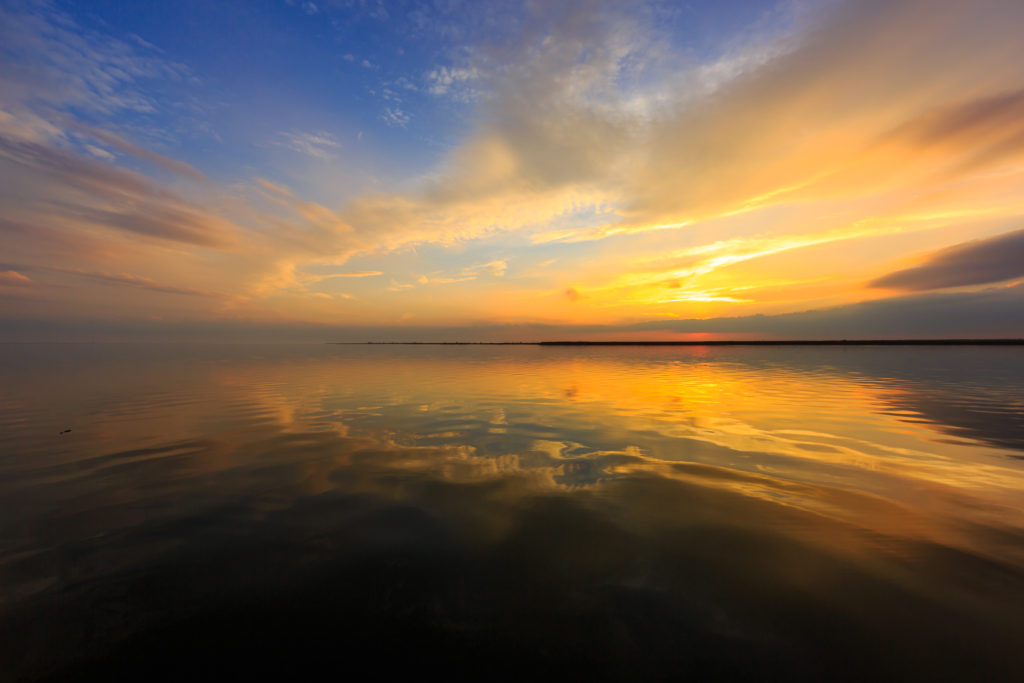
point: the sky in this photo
(441, 170)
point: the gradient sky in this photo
(364, 169)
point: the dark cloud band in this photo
(973, 263)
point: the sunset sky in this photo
(373, 170)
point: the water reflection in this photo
(497, 511)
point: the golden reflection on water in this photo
(895, 475)
(541, 410)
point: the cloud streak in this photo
(129, 280)
(356, 273)
(320, 145)
(159, 160)
(977, 262)
(12, 278)
(75, 187)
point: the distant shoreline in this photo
(718, 342)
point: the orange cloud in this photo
(12, 278)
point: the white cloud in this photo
(99, 153)
(395, 117)
(444, 80)
(405, 83)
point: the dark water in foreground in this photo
(511, 513)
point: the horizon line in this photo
(714, 342)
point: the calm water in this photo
(511, 512)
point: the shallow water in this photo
(511, 512)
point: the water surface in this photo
(509, 512)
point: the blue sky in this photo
(370, 78)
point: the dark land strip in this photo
(718, 342)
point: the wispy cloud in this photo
(355, 273)
(395, 117)
(118, 143)
(129, 280)
(424, 280)
(12, 278)
(320, 145)
(496, 268)
(457, 81)
(396, 286)
(108, 197)
(62, 64)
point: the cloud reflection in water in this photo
(490, 511)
